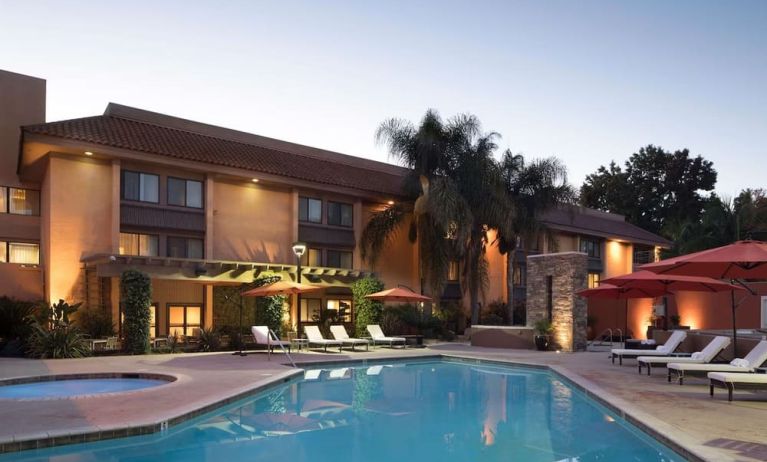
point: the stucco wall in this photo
(617, 258)
(252, 223)
(398, 263)
(78, 221)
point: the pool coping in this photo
(681, 443)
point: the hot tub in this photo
(74, 385)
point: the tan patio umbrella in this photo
(398, 294)
(745, 259)
(280, 288)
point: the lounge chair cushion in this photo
(680, 366)
(735, 377)
(698, 356)
(667, 359)
(629, 352)
(739, 362)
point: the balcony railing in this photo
(642, 257)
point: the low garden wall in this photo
(518, 337)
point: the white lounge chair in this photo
(339, 333)
(263, 337)
(732, 380)
(314, 336)
(378, 336)
(755, 358)
(673, 342)
(706, 355)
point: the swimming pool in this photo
(421, 411)
(48, 387)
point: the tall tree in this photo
(456, 193)
(750, 209)
(659, 191)
(531, 189)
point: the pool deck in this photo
(710, 429)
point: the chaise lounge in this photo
(340, 334)
(755, 358)
(673, 342)
(314, 337)
(732, 380)
(711, 351)
(263, 337)
(378, 336)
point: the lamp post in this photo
(299, 248)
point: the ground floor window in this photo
(184, 320)
(19, 252)
(593, 280)
(339, 309)
(310, 309)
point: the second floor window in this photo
(143, 187)
(591, 247)
(185, 193)
(309, 210)
(339, 259)
(143, 245)
(19, 201)
(593, 282)
(340, 214)
(185, 247)
(312, 257)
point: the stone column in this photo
(567, 273)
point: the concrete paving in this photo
(712, 429)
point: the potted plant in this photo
(543, 329)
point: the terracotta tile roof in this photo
(581, 220)
(303, 163)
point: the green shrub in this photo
(367, 311)
(136, 297)
(173, 343)
(269, 310)
(54, 336)
(209, 339)
(16, 318)
(543, 327)
(495, 314)
(256, 311)
(96, 323)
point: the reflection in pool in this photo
(444, 411)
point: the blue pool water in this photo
(427, 411)
(74, 387)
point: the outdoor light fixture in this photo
(88, 153)
(254, 180)
(299, 248)
(390, 202)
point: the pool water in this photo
(74, 387)
(425, 411)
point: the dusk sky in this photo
(586, 81)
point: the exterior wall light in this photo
(88, 153)
(254, 180)
(390, 202)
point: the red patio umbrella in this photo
(612, 292)
(745, 259)
(398, 294)
(280, 288)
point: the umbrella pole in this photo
(626, 332)
(734, 328)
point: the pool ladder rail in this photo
(606, 338)
(273, 336)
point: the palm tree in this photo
(531, 188)
(456, 192)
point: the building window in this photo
(23, 253)
(19, 201)
(310, 309)
(184, 320)
(340, 310)
(591, 247)
(185, 247)
(340, 214)
(185, 193)
(309, 210)
(453, 271)
(143, 187)
(143, 245)
(339, 259)
(312, 257)
(519, 276)
(593, 280)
